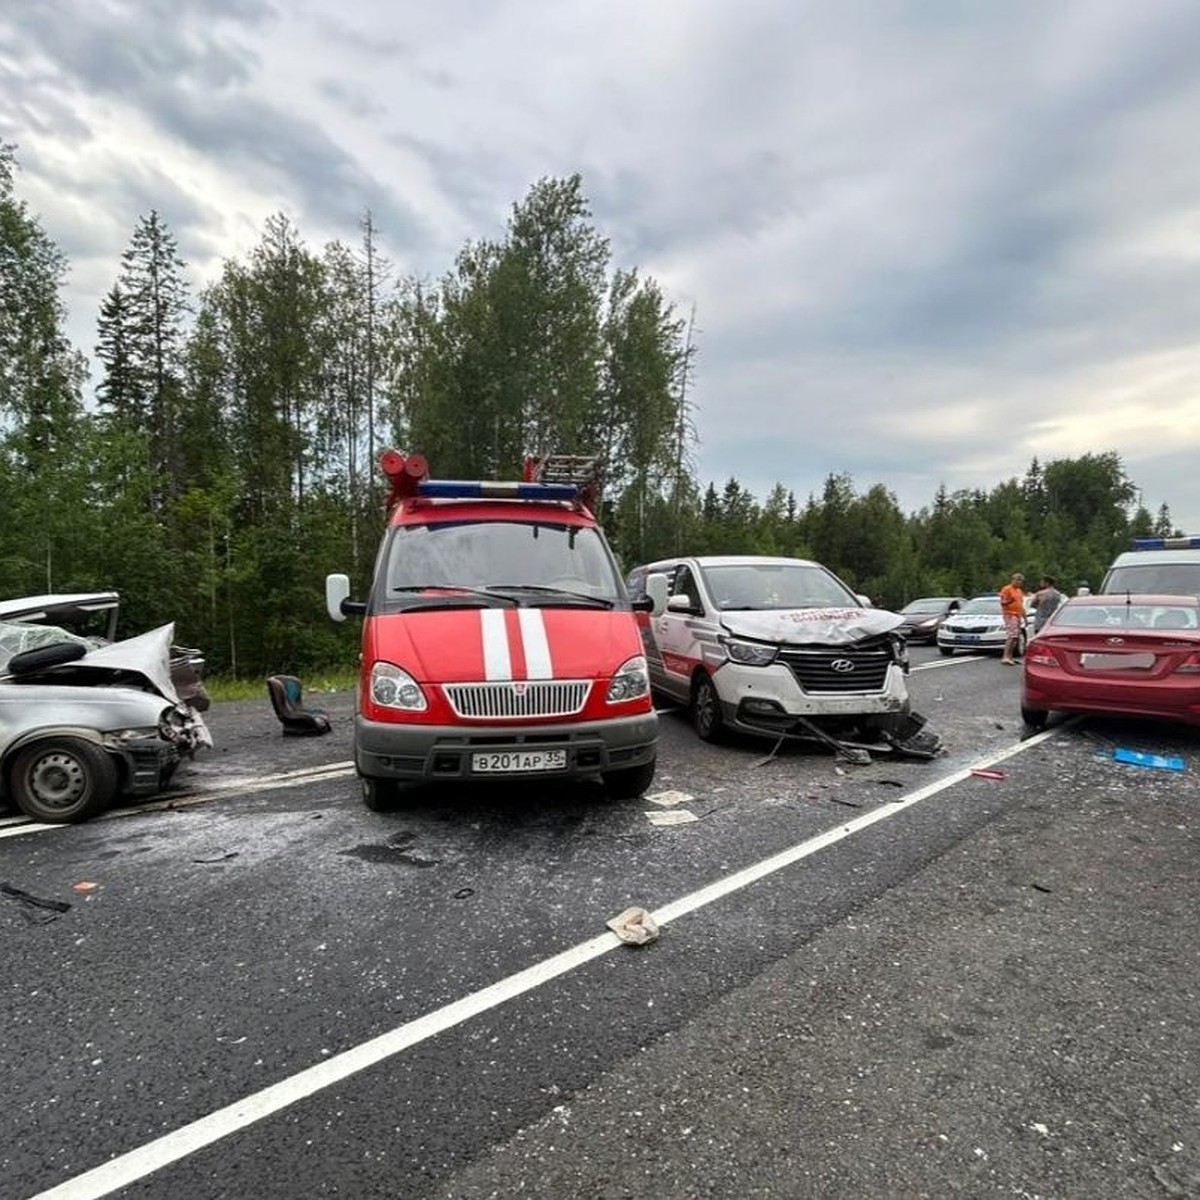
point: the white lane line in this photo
(16, 826)
(947, 662)
(128, 1168)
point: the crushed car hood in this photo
(149, 654)
(812, 626)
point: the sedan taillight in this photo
(1041, 656)
(1190, 665)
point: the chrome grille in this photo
(518, 698)
(823, 669)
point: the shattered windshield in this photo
(18, 636)
(563, 562)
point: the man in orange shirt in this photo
(1012, 605)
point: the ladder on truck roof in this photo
(579, 470)
(566, 468)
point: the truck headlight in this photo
(393, 688)
(630, 681)
(749, 654)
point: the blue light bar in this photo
(463, 489)
(1190, 542)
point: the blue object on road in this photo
(1136, 759)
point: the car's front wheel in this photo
(946, 650)
(630, 782)
(379, 795)
(705, 709)
(62, 779)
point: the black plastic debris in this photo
(287, 698)
(36, 909)
(854, 742)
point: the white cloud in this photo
(925, 242)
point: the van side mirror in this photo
(337, 598)
(865, 601)
(656, 590)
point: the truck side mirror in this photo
(337, 598)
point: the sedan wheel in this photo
(1035, 718)
(63, 779)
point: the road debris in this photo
(634, 926)
(984, 773)
(36, 909)
(678, 816)
(1161, 762)
(666, 799)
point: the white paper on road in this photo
(666, 799)
(679, 816)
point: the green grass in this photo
(340, 679)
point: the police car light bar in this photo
(1190, 542)
(462, 489)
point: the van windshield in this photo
(748, 586)
(547, 558)
(1155, 579)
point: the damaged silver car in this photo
(94, 617)
(83, 722)
(780, 647)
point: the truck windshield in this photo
(546, 557)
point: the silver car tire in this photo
(60, 779)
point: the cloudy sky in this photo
(925, 241)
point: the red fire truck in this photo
(498, 639)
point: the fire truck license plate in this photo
(501, 761)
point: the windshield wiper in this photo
(598, 601)
(457, 589)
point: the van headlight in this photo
(630, 681)
(393, 688)
(748, 654)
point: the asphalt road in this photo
(900, 979)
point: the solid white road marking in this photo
(16, 826)
(126, 1169)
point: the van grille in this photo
(824, 669)
(541, 698)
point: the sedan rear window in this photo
(1138, 616)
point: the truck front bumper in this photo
(383, 750)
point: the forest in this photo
(216, 456)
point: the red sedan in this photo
(1127, 655)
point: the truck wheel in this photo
(629, 783)
(62, 779)
(379, 795)
(706, 709)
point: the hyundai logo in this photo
(842, 665)
(1114, 641)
